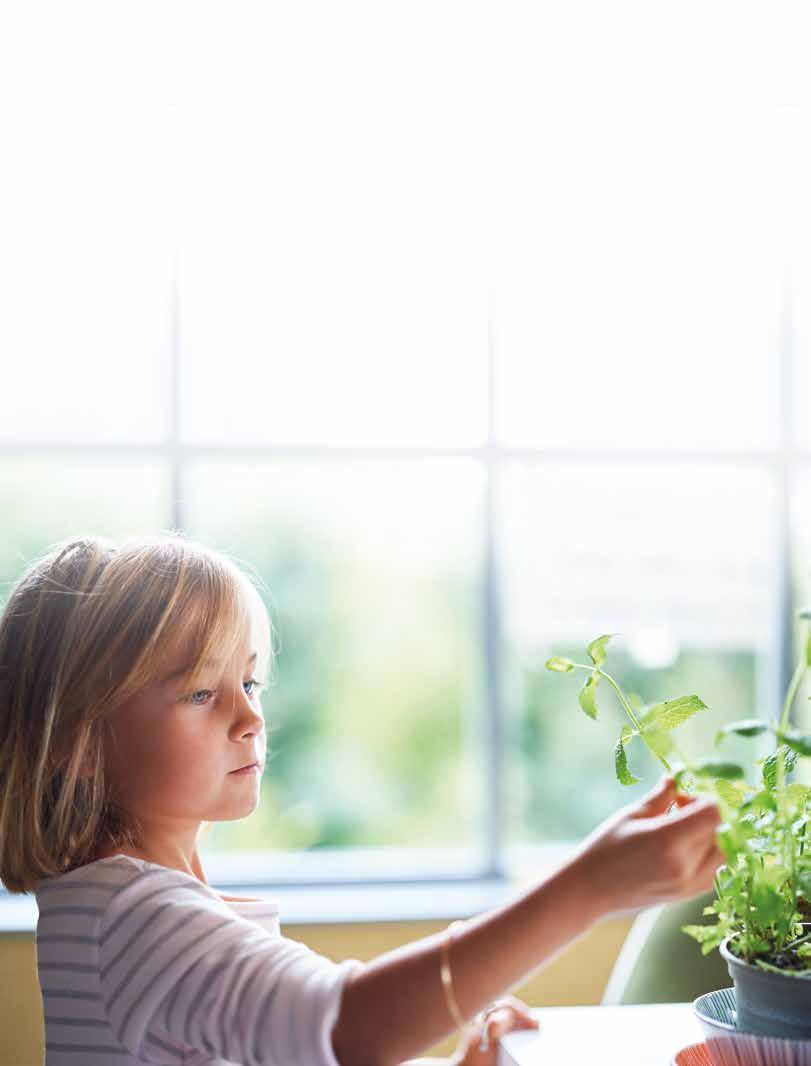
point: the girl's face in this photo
(175, 746)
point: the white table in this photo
(643, 1035)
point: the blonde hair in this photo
(78, 636)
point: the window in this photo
(468, 372)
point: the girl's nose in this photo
(253, 714)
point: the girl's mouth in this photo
(252, 769)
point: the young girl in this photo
(128, 711)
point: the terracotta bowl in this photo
(694, 1055)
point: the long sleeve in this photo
(180, 970)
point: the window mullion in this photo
(493, 733)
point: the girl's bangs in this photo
(214, 616)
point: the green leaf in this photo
(776, 875)
(808, 651)
(797, 741)
(658, 740)
(684, 781)
(708, 936)
(729, 841)
(747, 727)
(770, 766)
(728, 792)
(560, 666)
(596, 649)
(624, 775)
(798, 793)
(588, 695)
(759, 944)
(765, 898)
(726, 771)
(761, 802)
(672, 713)
(701, 933)
(660, 718)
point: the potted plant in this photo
(762, 893)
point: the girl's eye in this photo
(205, 692)
(201, 697)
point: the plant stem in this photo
(792, 692)
(796, 943)
(633, 717)
(628, 710)
(787, 841)
(747, 921)
(623, 701)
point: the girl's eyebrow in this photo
(183, 670)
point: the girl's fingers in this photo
(664, 803)
(703, 877)
(510, 1017)
(657, 800)
(699, 816)
(505, 1021)
(710, 863)
(695, 817)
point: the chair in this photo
(658, 963)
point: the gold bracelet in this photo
(447, 980)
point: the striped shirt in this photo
(138, 963)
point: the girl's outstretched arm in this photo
(394, 1007)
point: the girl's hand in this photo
(661, 848)
(512, 1015)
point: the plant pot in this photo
(774, 1004)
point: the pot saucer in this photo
(728, 1045)
(716, 1012)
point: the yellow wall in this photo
(577, 975)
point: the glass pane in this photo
(370, 573)
(85, 252)
(637, 278)
(333, 280)
(46, 500)
(679, 561)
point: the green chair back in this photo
(658, 963)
